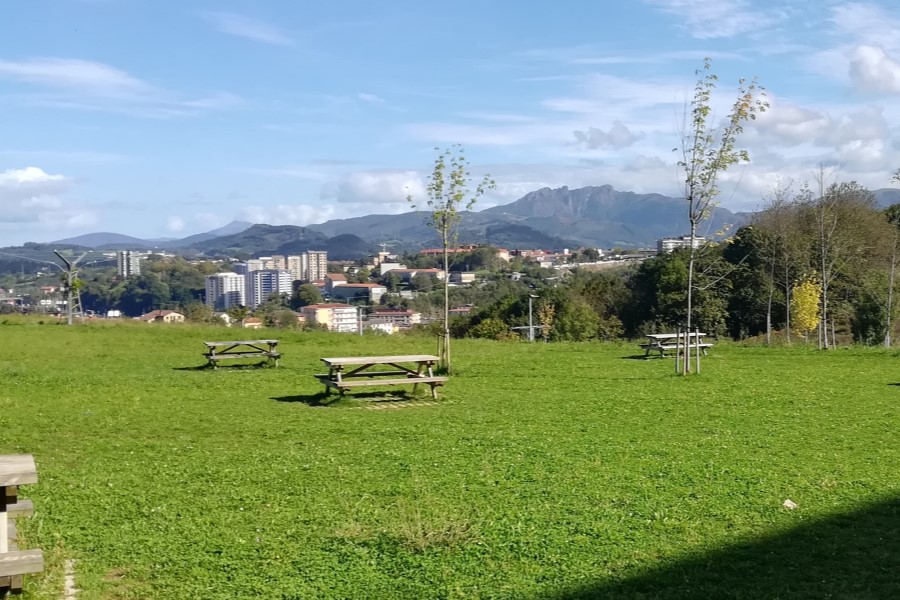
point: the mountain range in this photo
(598, 216)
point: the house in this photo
(462, 277)
(252, 323)
(398, 317)
(224, 317)
(333, 280)
(162, 316)
(371, 293)
(342, 318)
(407, 275)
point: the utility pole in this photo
(71, 272)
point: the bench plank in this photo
(242, 355)
(379, 360)
(17, 469)
(413, 380)
(22, 508)
(20, 562)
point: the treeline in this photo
(834, 243)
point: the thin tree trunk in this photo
(890, 296)
(769, 306)
(690, 290)
(445, 359)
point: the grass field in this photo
(543, 471)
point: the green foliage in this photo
(306, 295)
(491, 329)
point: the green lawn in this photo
(543, 470)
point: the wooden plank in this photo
(17, 469)
(225, 355)
(240, 343)
(21, 562)
(371, 382)
(22, 508)
(377, 360)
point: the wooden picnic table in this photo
(15, 470)
(663, 342)
(216, 351)
(405, 369)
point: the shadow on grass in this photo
(641, 357)
(853, 555)
(261, 365)
(334, 399)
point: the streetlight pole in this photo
(530, 319)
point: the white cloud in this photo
(386, 186)
(87, 85)
(618, 136)
(706, 19)
(247, 28)
(872, 69)
(288, 214)
(31, 195)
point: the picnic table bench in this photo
(15, 470)
(361, 373)
(216, 351)
(663, 342)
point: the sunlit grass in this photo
(539, 468)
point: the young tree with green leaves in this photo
(449, 189)
(708, 149)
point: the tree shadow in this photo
(854, 555)
(334, 399)
(641, 357)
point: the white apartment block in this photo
(262, 284)
(666, 245)
(297, 265)
(318, 265)
(224, 290)
(128, 263)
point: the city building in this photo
(370, 293)
(264, 283)
(406, 275)
(462, 277)
(666, 245)
(297, 266)
(342, 318)
(318, 265)
(224, 290)
(128, 263)
(399, 317)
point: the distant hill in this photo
(117, 241)
(285, 239)
(547, 218)
(106, 239)
(598, 216)
(887, 196)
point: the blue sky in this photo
(158, 118)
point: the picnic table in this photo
(216, 351)
(412, 369)
(15, 470)
(663, 342)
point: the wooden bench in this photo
(363, 375)
(664, 342)
(216, 351)
(15, 470)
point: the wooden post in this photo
(677, 356)
(697, 342)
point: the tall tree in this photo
(708, 148)
(449, 188)
(841, 220)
